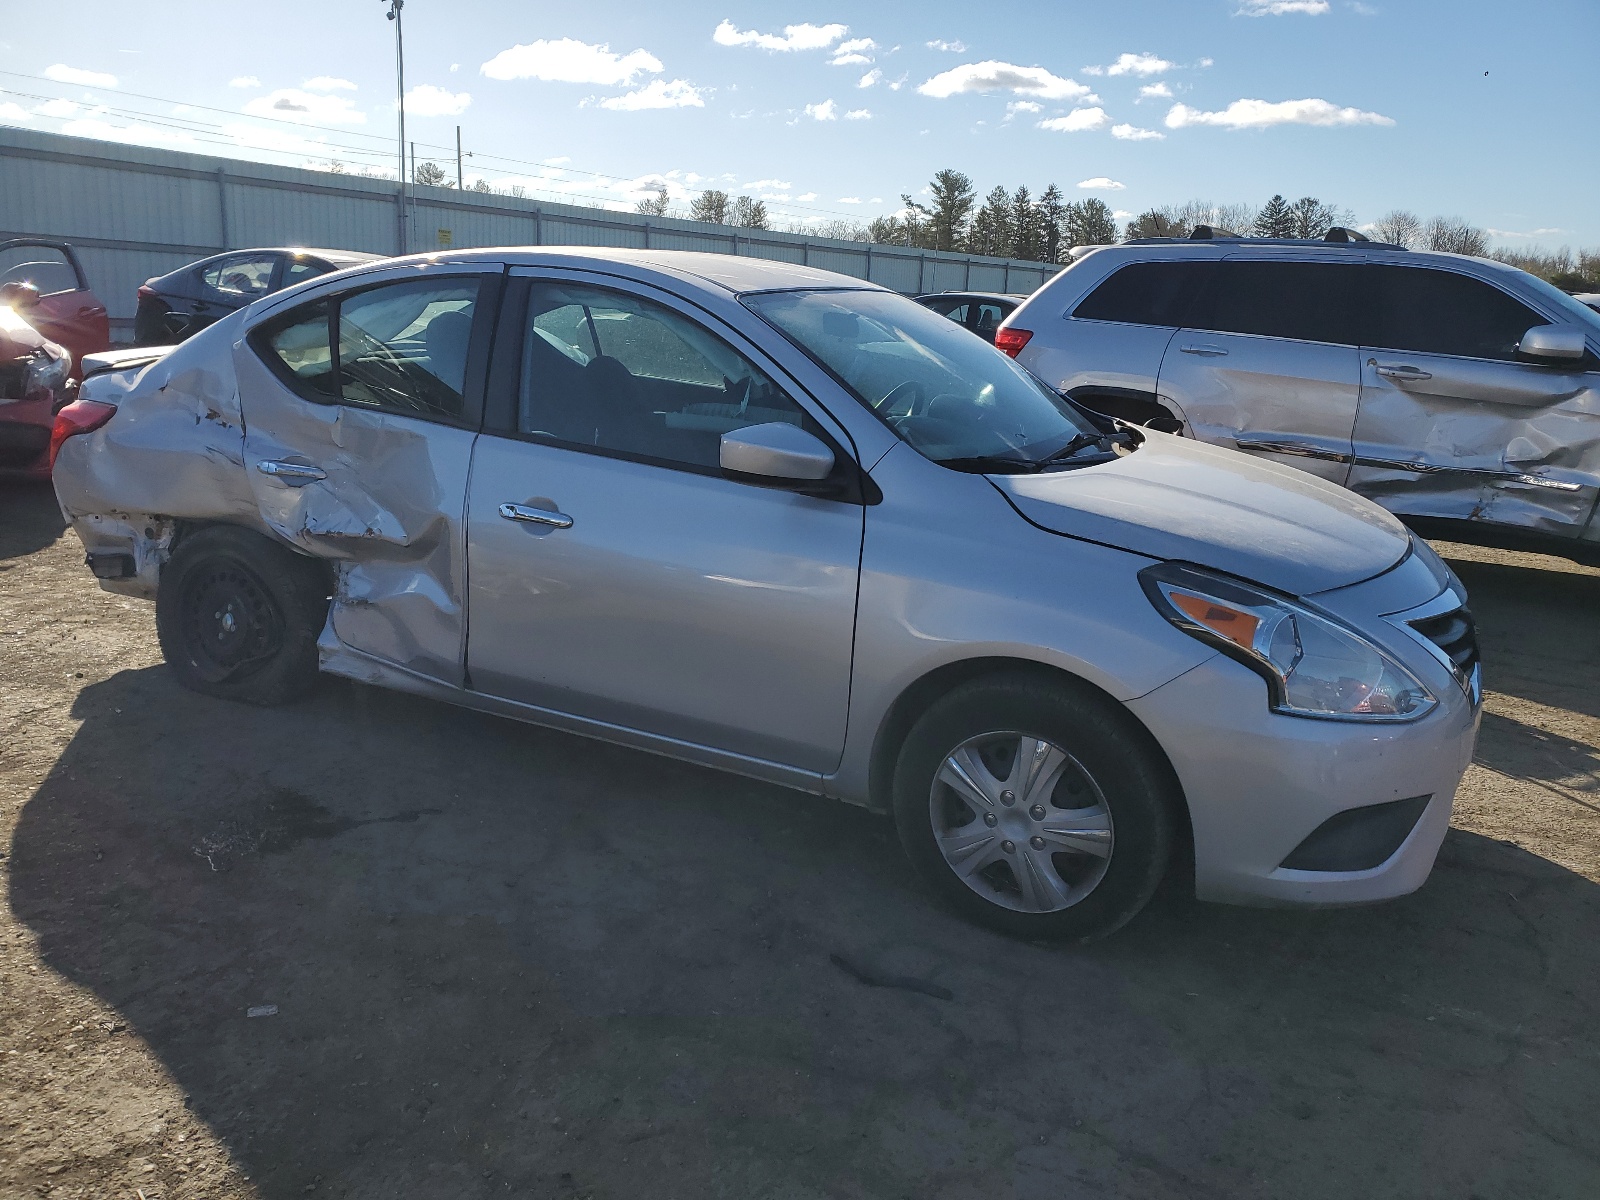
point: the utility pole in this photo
(401, 222)
(459, 185)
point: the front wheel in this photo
(238, 616)
(1038, 808)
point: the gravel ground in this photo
(504, 961)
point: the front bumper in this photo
(1259, 784)
(25, 437)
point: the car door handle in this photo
(294, 474)
(1203, 349)
(1404, 374)
(535, 516)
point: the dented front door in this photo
(1453, 425)
(360, 413)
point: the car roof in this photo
(1016, 297)
(734, 274)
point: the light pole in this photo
(395, 6)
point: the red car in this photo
(49, 320)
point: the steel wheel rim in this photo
(232, 626)
(1021, 822)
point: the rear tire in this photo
(1038, 808)
(238, 616)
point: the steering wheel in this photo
(913, 390)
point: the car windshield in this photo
(951, 396)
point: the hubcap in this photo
(1021, 822)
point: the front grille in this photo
(1456, 635)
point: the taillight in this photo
(81, 416)
(146, 292)
(1011, 340)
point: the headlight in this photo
(48, 371)
(1314, 666)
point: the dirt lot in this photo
(512, 962)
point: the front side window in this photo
(43, 266)
(1147, 293)
(620, 373)
(400, 347)
(1442, 312)
(951, 396)
(242, 278)
(1304, 301)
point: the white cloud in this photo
(952, 47)
(853, 52)
(1258, 114)
(568, 60)
(1132, 133)
(768, 185)
(826, 111)
(426, 100)
(455, 66)
(870, 78)
(658, 94)
(14, 113)
(1101, 183)
(848, 200)
(60, 109)
(1138, 64)
(62, 73)
(858, 114)
(1277, 8)
(899, 83)
(1121, 214)
(1022, 106)
(1077, 121)
(991, 76)
(328, 83)
(244, 81)
(807, 198)
(292, 104)
(795, 37)
(1155, 91)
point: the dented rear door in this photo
(1452, 424)
(360, 410)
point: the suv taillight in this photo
(81, 416)
(1011, 340)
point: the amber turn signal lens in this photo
(1237, 626)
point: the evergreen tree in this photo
(430, 174)
(950, 210)
(710, 206)
(1312, 218)
(748, 213)
(1275, 220)
(1152, 224)
(1090, 223)
(991, 226)
(1027, 234)
(1052, 217)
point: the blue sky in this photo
(1456, 107)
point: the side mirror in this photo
(777, 452)
(18, 294)
(1554, 341)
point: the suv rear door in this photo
(1268, 360)
(1453, 424)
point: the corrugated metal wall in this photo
(133, 212)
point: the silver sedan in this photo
(788, 524)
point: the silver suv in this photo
(1459, 393)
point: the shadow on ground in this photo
(30, 518)
(509, 961)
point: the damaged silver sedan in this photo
(791, 525)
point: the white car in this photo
(781, 522)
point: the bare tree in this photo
(654, 206)
(1455, 236)
(1153, 224)
(1400, 228)
(710, 206)
(748, 213)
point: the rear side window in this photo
(1441, 312)
(241, 278)
(400, 347)
(301, 269)
(1306, 301)
(1149, 293)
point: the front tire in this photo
(238, 616)
(1038, 808)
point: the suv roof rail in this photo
(1349, 238)
(1209, 233)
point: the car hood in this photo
(1174, 498)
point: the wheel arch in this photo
(922, 693)
(1130, 404)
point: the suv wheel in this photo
(1037, 808)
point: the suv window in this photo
(1147, 293)
(609, 370)
(401, 347)
(243, 278)
(1442, 312)
(1304, 301)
